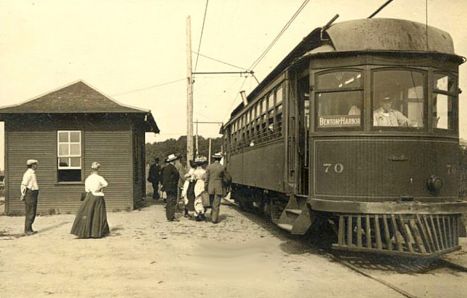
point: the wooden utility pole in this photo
(209, 152)
(189, 91)
(196, 140)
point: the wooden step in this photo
(294, 211)
(286, 227)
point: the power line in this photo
(202, 31)
(220, 61)
(286, 26)
(149, 87)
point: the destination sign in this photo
(339, 121)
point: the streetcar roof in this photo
(389, 34)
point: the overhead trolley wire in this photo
(269, 47)
(286, 26)
(220, 61)
(202, 31)
(149, 87)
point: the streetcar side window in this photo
(398, 98)
(279, 98)
(263, 117)
(444, 96)
(270, 114)
(339, 99)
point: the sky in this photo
(134, 51)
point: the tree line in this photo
(178, 146)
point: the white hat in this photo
(200, 159)
(95, 165)
(172, 157)
(217, 155)
(31, 162)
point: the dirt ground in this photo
(146, 256)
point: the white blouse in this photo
(29, 181)
(95, 184)
(200, 176)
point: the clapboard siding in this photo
(113, 151)
(107, 140)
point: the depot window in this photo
(69, 155)
(398, 99)
(444, 99)
(339, 99)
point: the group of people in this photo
(202, 187)
(91, 219)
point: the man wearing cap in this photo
(154, 178)
(216, 174)
(170, 178)
(385, 115)
(29, 194)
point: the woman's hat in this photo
(95, 165)
(172, 157)
(217, 156)
(201, 160)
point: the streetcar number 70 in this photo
(336, 168)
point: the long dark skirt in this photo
(191, 196)
(91, 220)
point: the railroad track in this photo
(357, 263)
(435, 264)
(379, 280)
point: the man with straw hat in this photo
(29, 194)
(170, 178)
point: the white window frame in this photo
(69, 155)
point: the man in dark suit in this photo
(170, 178)
(216, 179)
(154, 177)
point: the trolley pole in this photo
(189, 91)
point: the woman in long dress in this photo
(188, 193)
(200, 178)
(91, 220)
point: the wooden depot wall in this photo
(106, 139)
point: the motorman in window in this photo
(29, 194)
(385, 115)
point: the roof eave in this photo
(151, 125)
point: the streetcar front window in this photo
(444, 95)
(339, 99)
(398, 98)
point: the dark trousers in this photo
(215, 207)
(155, 194)
(170, 206)
(30, 204)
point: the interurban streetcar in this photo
(357, 127)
